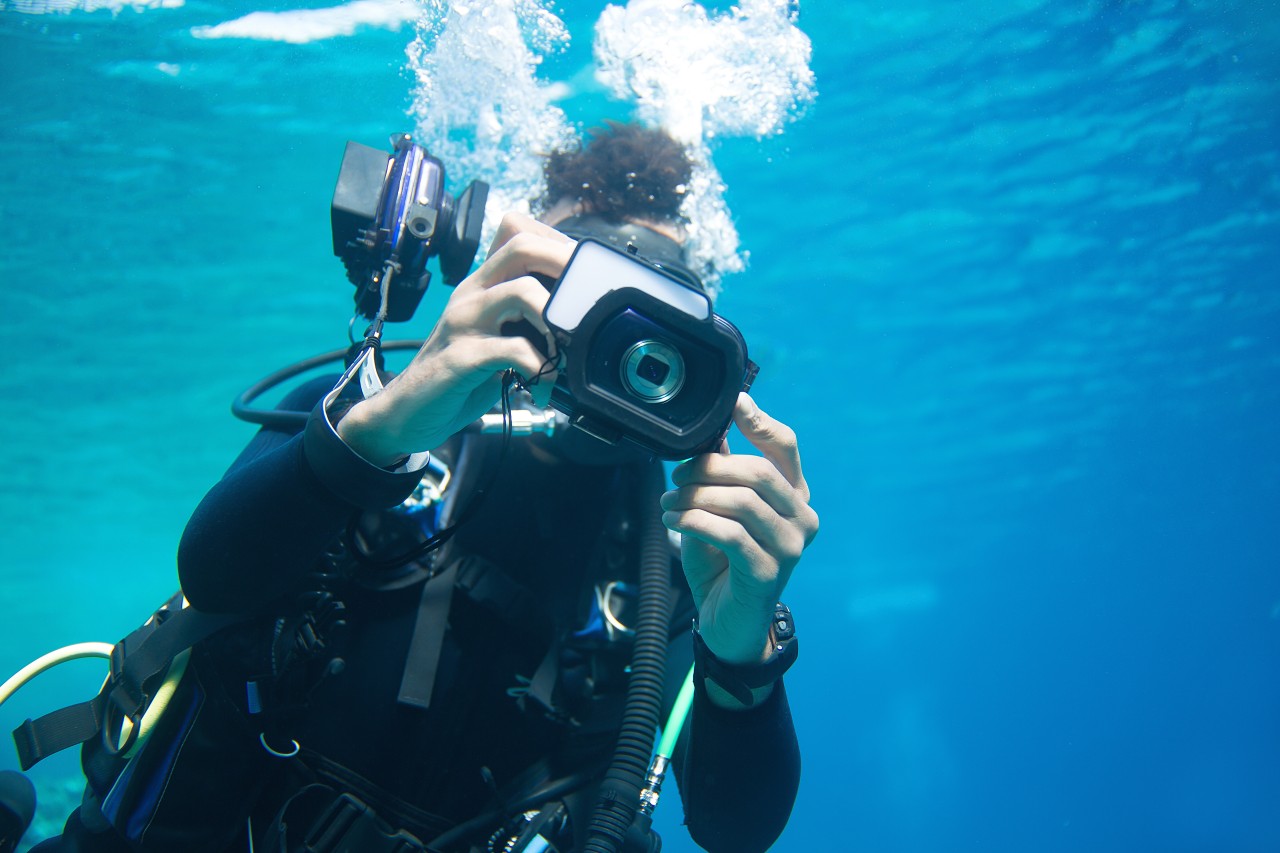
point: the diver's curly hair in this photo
(625, 170)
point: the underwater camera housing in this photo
(646, 359)
(392, 212)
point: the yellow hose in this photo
(158, 704)
(52, 659)
(155, 708)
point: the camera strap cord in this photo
(365, 365)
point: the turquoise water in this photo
(1012, 276)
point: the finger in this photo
(755, 576)
(760, 476)
(514, 223)
(758, 570)
(773, 532)
(524, 254)
(517, 354)
(753, 472)
(773, 438)
(521, 299)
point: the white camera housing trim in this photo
(595, 271)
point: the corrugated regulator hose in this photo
(619, 796)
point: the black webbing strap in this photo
(37, 739)
(481, 582)
(490, 587)
(351, 826)
(325, 821)
(135, 665)
(423, 659)
(137, 662)
(391, 808)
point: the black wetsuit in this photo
(256, 538)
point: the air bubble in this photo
(478, 104)
(700, 76)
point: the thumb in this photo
(749, 418)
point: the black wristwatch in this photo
(738, 680)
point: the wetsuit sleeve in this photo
(260, 530)
(738, 771)
(740, 774)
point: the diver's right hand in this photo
(457, 374)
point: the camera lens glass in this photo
(652, 371)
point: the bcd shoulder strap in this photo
(138, 665)
(480, 581)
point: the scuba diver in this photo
(440, 615)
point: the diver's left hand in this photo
(744, 522)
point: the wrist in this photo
(361, 429)
(746, 683)
(348, 475)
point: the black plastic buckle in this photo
(350, 826)
(117, 660)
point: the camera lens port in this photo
(652, 371)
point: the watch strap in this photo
(739, 680)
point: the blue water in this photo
(1013, 279)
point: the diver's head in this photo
(623, 172)
(625, 187)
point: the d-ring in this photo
(123, 741)
(262, 739)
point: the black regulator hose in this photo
(284, 419)
(619, 797)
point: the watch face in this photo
(784, 627)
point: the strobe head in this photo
(391, 211)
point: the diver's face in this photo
(560, 211)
